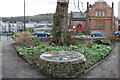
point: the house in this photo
(99, 16)
(43, 28)
(31, 24)
(5, 26)
(77, 21)
(44, 23)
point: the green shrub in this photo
(36, 42)
(93, 53)
(61, 70)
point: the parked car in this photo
(42, 33)
(117, 33)
(96, 33)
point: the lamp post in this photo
(24, 17)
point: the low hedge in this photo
(61, 70)
(93, 54)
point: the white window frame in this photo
(97, 13)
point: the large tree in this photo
(61, 35)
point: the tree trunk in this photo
(61, 35)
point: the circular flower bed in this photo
(65, 64)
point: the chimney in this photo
(87, 6)
(113, 22)
(112, 5)
(113, 9)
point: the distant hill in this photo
(36, 18)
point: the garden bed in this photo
(93, 53)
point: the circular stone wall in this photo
(65, 64)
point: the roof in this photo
(100, 1)
(78, 15)
(62, 0)
(43, 28)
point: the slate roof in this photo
(78, 15)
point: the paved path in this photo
(108, 68)
(0, 59)
(15, 67)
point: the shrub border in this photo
(86, 71)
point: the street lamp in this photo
(24, 17)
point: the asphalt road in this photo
(15, 67)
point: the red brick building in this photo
(99, 16)
(78, 21)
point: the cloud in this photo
(34, 7)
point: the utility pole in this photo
(24, 17)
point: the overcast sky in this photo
(9, 8)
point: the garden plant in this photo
(93, 53)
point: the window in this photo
(96, 13)
(103, 13)
(100, 13)
(100, 25)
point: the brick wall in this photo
(96, 14)
(76, 23)
(92, 19)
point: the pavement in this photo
(15, 67)
(108, 68)
(0, 60)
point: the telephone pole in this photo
(24, 17)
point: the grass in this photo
(93, 53)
